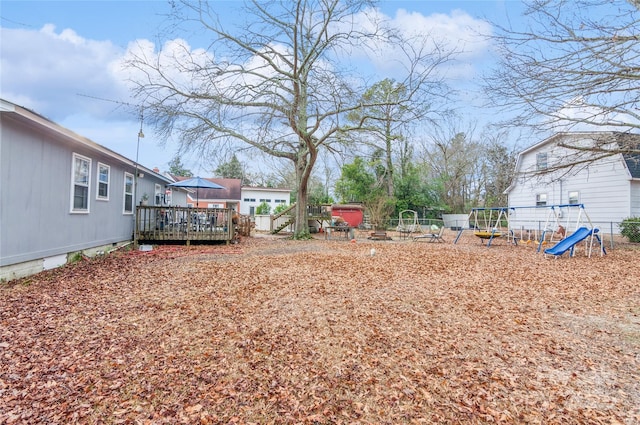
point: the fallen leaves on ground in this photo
(318, 332)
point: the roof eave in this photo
(46, 123)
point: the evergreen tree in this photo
(177, 168)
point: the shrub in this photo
(263, 209)
(279, 208)
(630, 228)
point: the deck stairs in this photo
(282, 224)
(286, 217)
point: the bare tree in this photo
(455, 162)
(277, 84)
(498, 163)
(575, 65)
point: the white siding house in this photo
(608, 187)
(251, 197)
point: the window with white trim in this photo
(158, 195)
(80, 181)
(541, 161)
(104, 175)
(574, 197)
(128, 193)
(541, 199)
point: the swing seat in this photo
(487, 235)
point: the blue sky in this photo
(59, 58)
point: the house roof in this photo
(562, 135)
(33, 118)
(266, 189)
(623, 139)
(230, 192)
(347, 207)
(631, 141)
(633, 163)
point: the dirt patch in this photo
(279, 331)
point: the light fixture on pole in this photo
(135, 180)
(140, 136)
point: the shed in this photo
(351, 213)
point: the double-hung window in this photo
(104, 172)
(541, 199)
(574, 197)
(81, 176)
(158, 198)
(541, 161)
(128, 193)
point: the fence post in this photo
(611, 233)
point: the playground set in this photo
(565, 226)
(409, 226)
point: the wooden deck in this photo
(182, 224)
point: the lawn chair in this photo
(434, 235)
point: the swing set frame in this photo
(561, 221)
(408, 223)
(488, 224)
(492, 223)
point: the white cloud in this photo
(67, 35)
(59, 72)
(457, 31)
(578, 115)
(52, 72)
(45, 70)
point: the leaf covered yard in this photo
(319, 332)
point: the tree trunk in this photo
(301, 228)
(389, 163)
(304, 165)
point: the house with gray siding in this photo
(63, 194)
(607, 186)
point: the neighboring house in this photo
(229, 197)
(62, 194)
(254, 196)
(609, 187)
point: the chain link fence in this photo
(630, 229)
(612, 234)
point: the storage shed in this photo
(351, 213)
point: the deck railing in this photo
(285, 217)
(162, 223)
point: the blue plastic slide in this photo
(570, 241)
